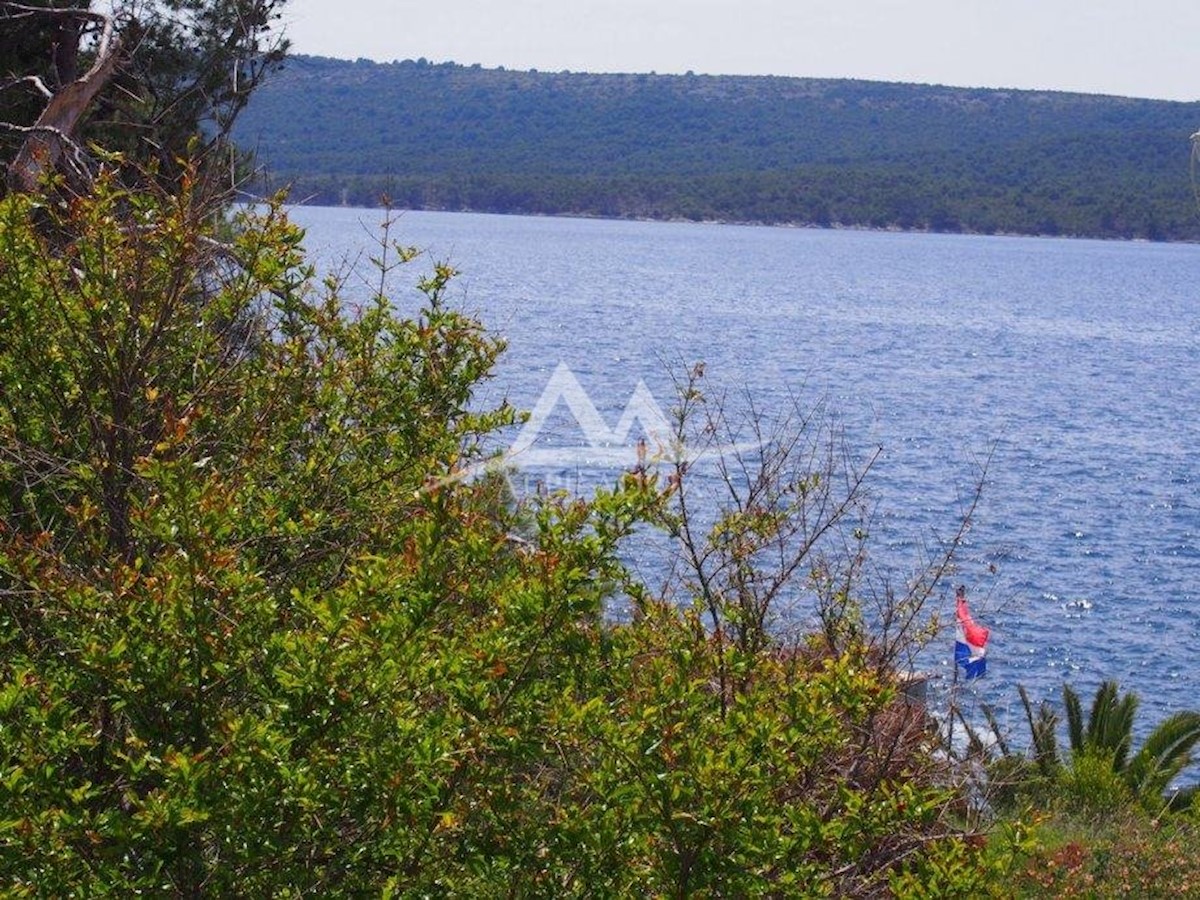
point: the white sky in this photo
(1140, 48)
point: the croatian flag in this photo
(970, 650)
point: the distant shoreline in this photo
(772, 151)
(747, 223)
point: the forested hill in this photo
(759, 149)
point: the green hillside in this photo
(739, 148)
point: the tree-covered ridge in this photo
(728, 147)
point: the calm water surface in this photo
(1075, 363)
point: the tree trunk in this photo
(54, 132)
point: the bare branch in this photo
(38, 85)
(22, 11)
(53, 133)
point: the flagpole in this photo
(953, 698)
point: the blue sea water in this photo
(1072, 367)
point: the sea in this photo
(1061, 377)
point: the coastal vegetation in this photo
(1104, 820)
(270, 623)
(259, 638)
(750, 149)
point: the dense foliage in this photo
(257, 637)
(1104, 819)
(734, 148)
(262, 634)
(157, 80)
(1100, 768)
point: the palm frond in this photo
(1164, 754)
(1074, 718)
(1102, 712)
(1119, 735)
(990, 715)
(1041, 732)
(1047, 740)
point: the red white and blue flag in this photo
(970, 650)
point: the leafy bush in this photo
(259, 636)
(1103, 821)
(1125, 853)
(1092, 785)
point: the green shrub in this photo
(258, 635)
(1092, 785)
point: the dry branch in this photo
(54, 132)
